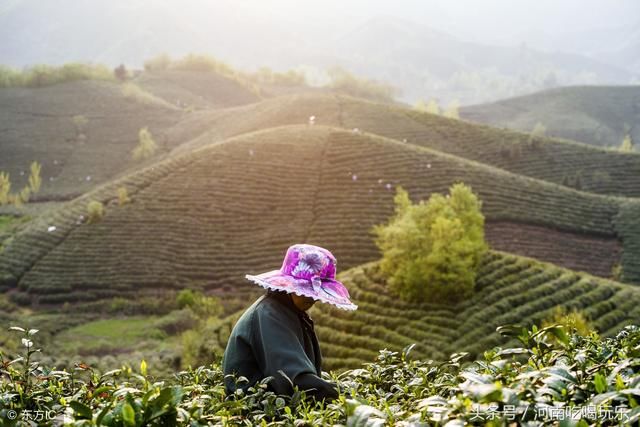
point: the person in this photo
(275, 336)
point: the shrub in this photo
(538, 132)
(146, 145)
(627, 144)
(158, 63)
(135, 93)
(452, 110)
(35, 181)
(123, 196)
(343, 81)
(5, 188)
(95, 211)
(572, 320)
(120, 72)
(202, 305)
(430, 251)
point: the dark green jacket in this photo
(273, 335)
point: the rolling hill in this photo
(509, 290)
(195, 89)
(205, 218)
(563, 162)
(38, 125)
(599, 116)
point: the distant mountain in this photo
(600, 116)
(433, 64)
(422, 62)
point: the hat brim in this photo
(328, 291)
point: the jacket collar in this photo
(285, 299)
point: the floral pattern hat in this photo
(308, 271)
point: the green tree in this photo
(345, 82)
(627, 144)
(452, 110)
(146, 145)
(432, 107)
(95, 211)
(35, 181)
(5, 188)
(431, 250)
(123, 196)
(120, 72)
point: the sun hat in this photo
(309, 271)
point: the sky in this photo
(489, 21)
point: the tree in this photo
(537, 133)
(35, 181)
(432, 107)
(146, 145)
(452, 110)
(120, 72)
(5, 188)
(123, 196)
(431, 250)
(627, 144)
(95, 211)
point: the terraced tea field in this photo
(559, 161)
(38, 125)
(198, 90)
(594, 115)
(509, 290)
(206, 218)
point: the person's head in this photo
(310, 271)
(303, 303)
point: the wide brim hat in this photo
(309, 271)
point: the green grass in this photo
(109, 335)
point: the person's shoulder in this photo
(270, 306)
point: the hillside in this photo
(195, 89)
(206, 218)
(599, 116)
(38, 125)
(558, 161)
(509, 290)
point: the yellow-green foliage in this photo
(431, 107)
(158, 63)
(35, 181)
(202, 305)
(17, 199)
(539, 130)
(627, 145)
(135, 93)
(5, 188)
(288, 78)
(346, 82)
(452, 110)
(573, 319)
(47, 75)
(123, 196)
(95, 211)
(431, 250)
(146, 145)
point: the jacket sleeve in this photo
(277, 345)
(316, 387)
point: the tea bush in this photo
(554, 376)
